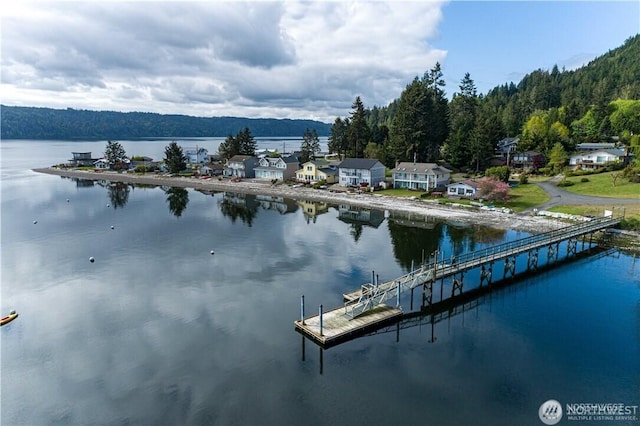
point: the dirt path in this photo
(428, 208)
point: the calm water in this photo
(159, 331)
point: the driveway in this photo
(561, 197)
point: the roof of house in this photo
(469, 182)
(239, 158)
(359, 163)
(613, 151)
(420, 167)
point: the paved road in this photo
(561, 197)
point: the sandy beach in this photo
(430, 208)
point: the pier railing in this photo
(373, 294)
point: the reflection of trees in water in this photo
(409, 242)
(466, 238)
(118, 193)
(239, 206)
(356, 231)
(178, 198)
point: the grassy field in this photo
(601, 185)
(524, 197)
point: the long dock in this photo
(366, 308)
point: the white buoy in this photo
(35, 221)
(67, 200)
(112, 227)
(107, 205)
(91, 259)
(211, 252)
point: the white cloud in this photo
(257, 59)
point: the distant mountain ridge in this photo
(69, 124)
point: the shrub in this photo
(524, 179)
(500, 173)
(630, 224)
(584, 180)
(564, 183)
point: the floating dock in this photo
(365, 309)
(337, 325)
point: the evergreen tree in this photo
(310, 145)
(358, 132)
(463, 111)
(115, 154)
(229, 148)
(246, 142)
(174, 158)
(338, 137)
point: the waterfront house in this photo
(507, 146)
(466, 188)
(420, 176)
(593, 159)
(241, 166)
(196, 155)
(316, 171)
(528, 160)
(280, 168)
(594, 146)
(82, 159)
(360, 172)
(101, 164)
(212, 169)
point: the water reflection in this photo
(118, 193)
(358, 218)
(412, 244)
(178, 198)
(312, 209)
(239, 206)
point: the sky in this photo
(289, 59)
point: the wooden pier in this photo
(338, 326)
(366, 308)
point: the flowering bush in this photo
(492, 189)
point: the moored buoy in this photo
(211, 252)
(35, 221)
(112, 227)
(91, 259)
(67, 200)
(107, 205)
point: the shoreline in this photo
(423, 208)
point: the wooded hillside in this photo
(47, 123)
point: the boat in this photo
(6, 320)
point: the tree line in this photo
(69, 124)
(546, 110)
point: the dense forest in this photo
(47, 123)
(547, 110)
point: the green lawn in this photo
(601, 185)
(400, 192)
(524, 197)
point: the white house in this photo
(101, 164)
(360, 172)
(277, 168)
(420, 176)
(196, 155)
(594, 159)
(467, 189)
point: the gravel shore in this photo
(523, 222)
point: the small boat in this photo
(6, 320)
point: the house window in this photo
(309, 168)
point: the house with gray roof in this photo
(280, 168)
(241, 166)
(420, 176)
(360, 172)
(595, 159)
